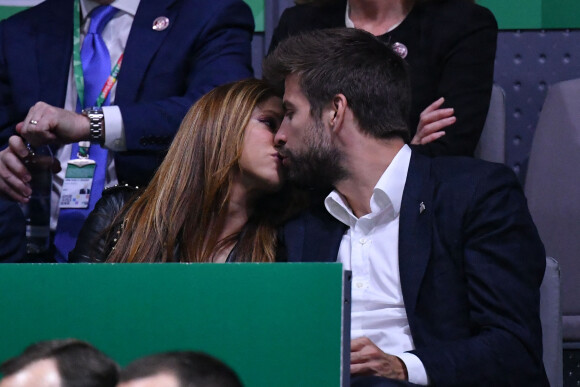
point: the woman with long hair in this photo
(215, 198)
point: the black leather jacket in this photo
(92, 245)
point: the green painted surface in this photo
(275, 324)
(535, 14)
(7, 11)
(258, 10)
(515, 13)
(512, 14)
(561, 14)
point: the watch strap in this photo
(96, 124)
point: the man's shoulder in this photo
(41, 11)
(456, 169)
(453, 179)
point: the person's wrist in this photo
(404, 368)
(96, 120)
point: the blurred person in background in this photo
(178, 369)
(449, 46)
(60, 363)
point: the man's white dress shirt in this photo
(370, 249)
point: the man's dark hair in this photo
(79, 363)
(192, 369)
(352, 62)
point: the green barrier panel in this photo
(513, 14)
(7, 11)
(274, 324)
(535, 14)
(258, 11)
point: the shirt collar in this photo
(387, 192)
(128, 6)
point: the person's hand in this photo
(431, 123)
(14, 176)
(45, 124)
(367, 359)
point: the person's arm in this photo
(433, 122)
(503, 262)
(7, 108)
(465, 83)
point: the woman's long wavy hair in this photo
(184, 206)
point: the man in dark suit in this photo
(446, 262)
(174, 51)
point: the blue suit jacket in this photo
(207, 43)
(471, 265)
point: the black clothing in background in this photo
(451, 51)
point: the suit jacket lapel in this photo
(142, 44)
(56, 34)
(415, 229)
(322, 238)
(313, 237)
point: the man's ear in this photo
(336, 113)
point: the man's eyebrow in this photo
(275, 112)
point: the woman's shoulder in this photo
(118, 194)
(459, 12)
(315, 16)
(91, 243)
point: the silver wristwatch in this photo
(96, 124)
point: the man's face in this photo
(305, 144)
(39, 373)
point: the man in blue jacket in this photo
(170, 52)
(446, 261)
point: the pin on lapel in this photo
(421, 207)
(400, 49)
(160, 23)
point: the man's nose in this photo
(280, 138)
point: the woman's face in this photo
(260, 164)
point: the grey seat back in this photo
(551, 317)
(491, 145)
(553, 192)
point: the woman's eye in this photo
(271, 123)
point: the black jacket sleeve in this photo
(92, 244)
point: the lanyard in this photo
(77, 66)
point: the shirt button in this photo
(362, 241)
(359, 285)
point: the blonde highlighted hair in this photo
(184, 206)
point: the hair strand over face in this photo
(183, 208)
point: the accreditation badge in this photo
(76, 188)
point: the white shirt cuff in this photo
(415, 368)
(114, 129)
